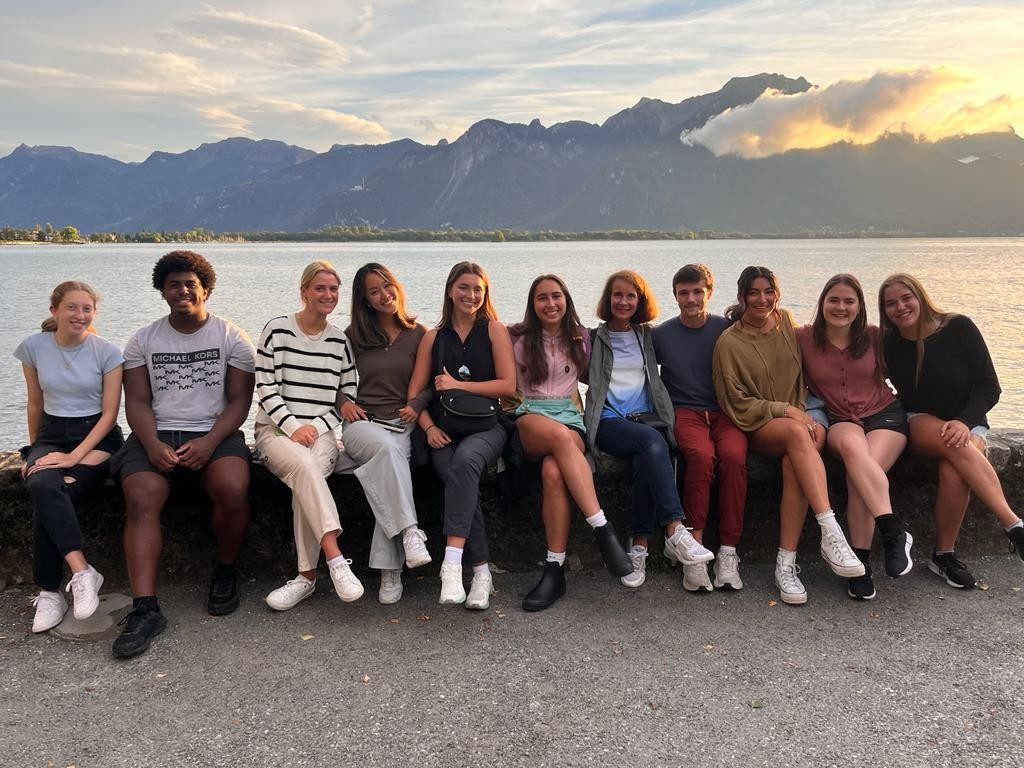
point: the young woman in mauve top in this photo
(468, 350)
(552, 354)
(624, 382)
(378, 422)
(302, 361)
(73, 379)
(868, 427)
(943, 374)
(759, 382)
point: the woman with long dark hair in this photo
(759, 382)
(943, 373)
(378, 422)
(469, 352)
(552, 354)
(73, 382)
(629, 414)
(867, 426)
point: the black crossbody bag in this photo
(462, 413)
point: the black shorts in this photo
(891, 417)
(132, 457)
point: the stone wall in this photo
(513, 518)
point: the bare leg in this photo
(542, 436)
(145, 494)
(969, 463)
(555, 505)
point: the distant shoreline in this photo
(498, 236)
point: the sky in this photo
(124, 78)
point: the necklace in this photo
(311, 336)
(68, 361)
(759, 328)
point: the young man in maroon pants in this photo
(711, 445)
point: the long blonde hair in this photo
(313, 269)
(930, 314)
(49, 325)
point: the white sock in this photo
(786, 557)
(597, 519)
(1018, 524)
(725, 549)
(453, 555)
(339, 560)
(827, 521)
(556, 557)
(482, 568)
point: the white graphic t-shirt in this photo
(188, 371)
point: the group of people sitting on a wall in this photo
(707, 386)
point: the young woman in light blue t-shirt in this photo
(73, 380)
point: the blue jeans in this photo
(655, 501)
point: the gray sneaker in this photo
(638, 556)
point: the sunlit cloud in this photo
(855, 111)
(282, 45)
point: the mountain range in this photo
(630, 172)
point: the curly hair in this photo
(184, 261)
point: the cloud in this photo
(856, 111)
(273, 42)
(315, 126)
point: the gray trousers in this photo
(459, 466)
(383, 471)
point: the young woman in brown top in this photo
(759, 384)
(868, 428)
(378, 423)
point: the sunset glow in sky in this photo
(124, 78)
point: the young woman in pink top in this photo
(552, 354)
(868, 428)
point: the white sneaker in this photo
(348, 587)
(681, 547)
(291, 594)
(390, 587)
(85, 590)
(414, 544)
(695, 578)
(727, 570)
(789, 584)
(837, 553)
(638, 556)
(50, 610)
(480, 591)
(452, 590)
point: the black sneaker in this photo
(952, 570)
(141, 626)
(223, 591)
(862, 587)
(897, 554)
(1016, 537)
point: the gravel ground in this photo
(923, 675)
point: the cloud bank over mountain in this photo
(853, 111)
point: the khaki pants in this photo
(304, 470)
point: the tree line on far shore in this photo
(68, 234)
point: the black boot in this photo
(615, 558)
(550, 587)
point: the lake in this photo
(981, 277)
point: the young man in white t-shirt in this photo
(188, 385)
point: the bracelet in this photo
(432, 426)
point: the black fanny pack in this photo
(464, 413)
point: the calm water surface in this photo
(983, 278)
